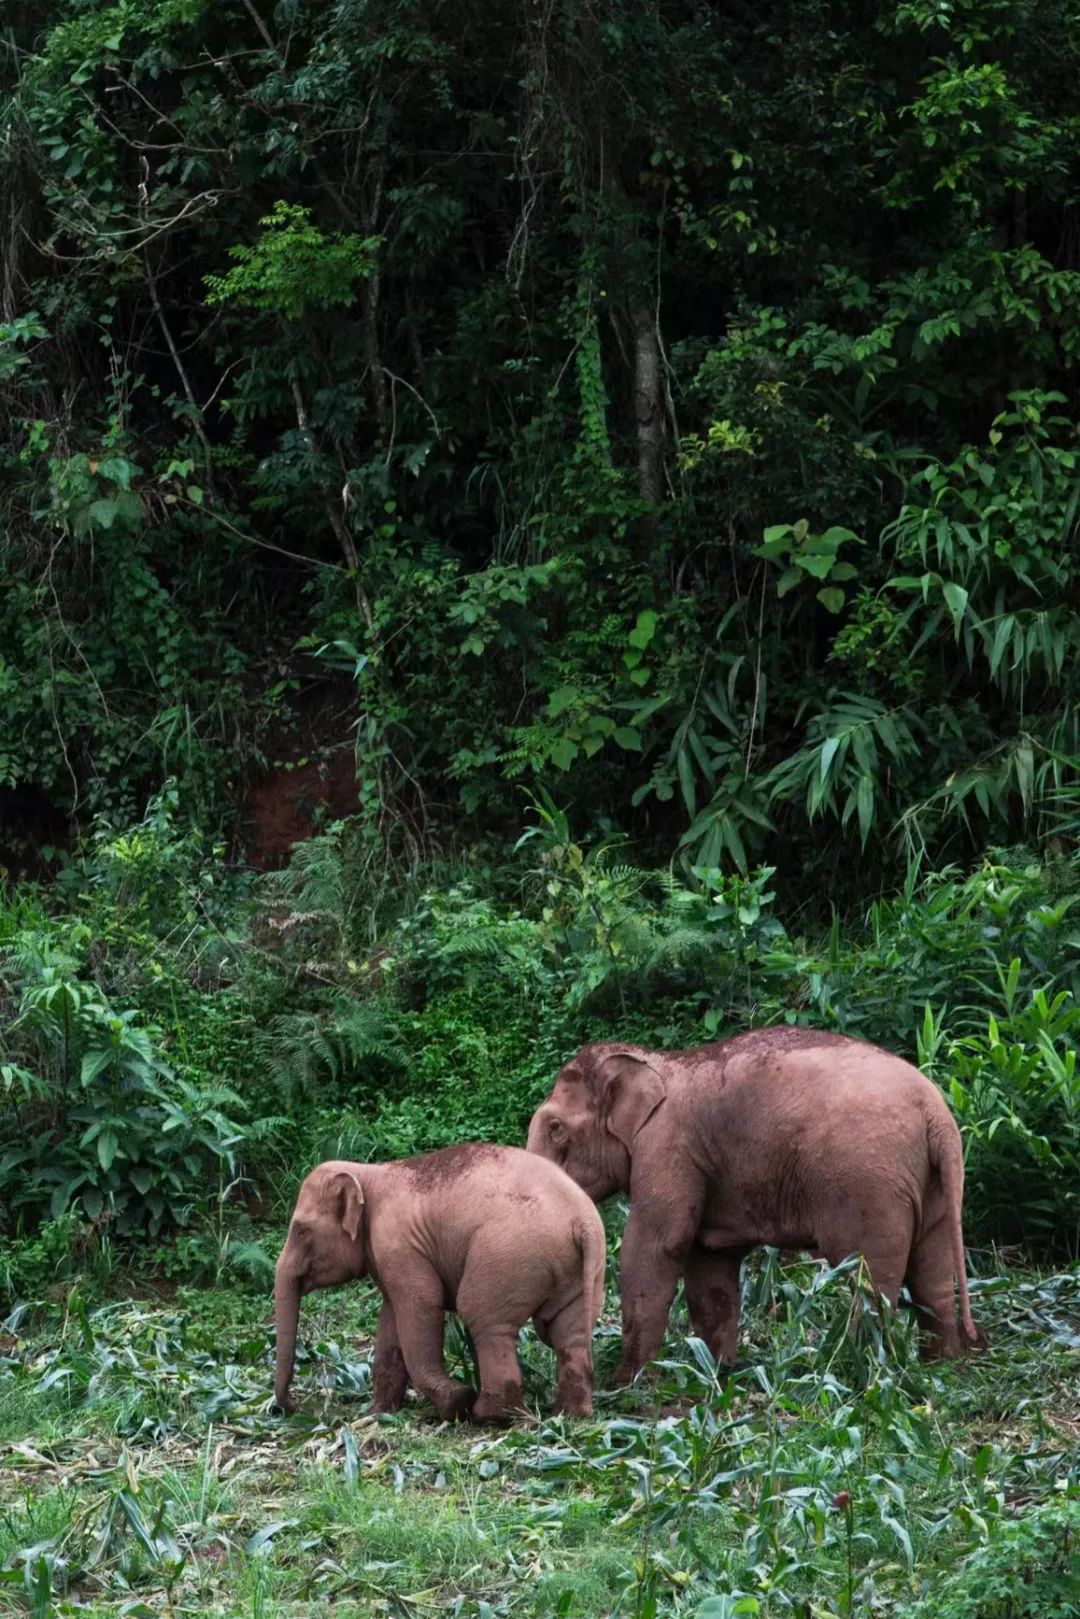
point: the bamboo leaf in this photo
(956, 599)
(865, 800)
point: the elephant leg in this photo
(883, 1238)
(569, 1336)
(418, 1316)
(500, 1376)
(390, 1378)
(649, 1273)
(713, 1298)
(930, 1282)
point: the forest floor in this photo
(144, 1471)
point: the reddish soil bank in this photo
(293, 800)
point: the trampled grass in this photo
(144, 1471)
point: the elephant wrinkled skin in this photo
(473, 1229)
(793, 1137)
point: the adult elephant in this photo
(789, 1136)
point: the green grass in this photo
(144, 1471)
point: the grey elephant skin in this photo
(794, 1137)
(472, 1228)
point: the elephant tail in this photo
(590, 1243)
(947, 1157)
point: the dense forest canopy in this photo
(670, 406)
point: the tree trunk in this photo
(372, 292)
(648, 404)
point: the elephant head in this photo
(325, 1247)
(599, 1102)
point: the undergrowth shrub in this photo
(1015, 1091)
(944, 939)
(93, 1115)
(454, 1027)
(158, 998)
(330, 1051)
(101, 1110)
(32, 1262)
(1030, 1569)
(456, 937)
(479, 1062)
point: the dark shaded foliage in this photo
(670, 403)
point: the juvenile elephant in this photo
(794, 1137)
(472, 1229)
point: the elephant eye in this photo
(558, 1132)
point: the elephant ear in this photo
(632, 1091)
(350, 1201)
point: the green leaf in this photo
(727, 1607)
(1025, 774)
(564, 753)
(828, 753)
(814, 563)
(732, 841)
(627, 737)
(103, 513)
(352, 1457)
(263, 1539)
(64, 1192)
(1002, 636)
(561, 699)
(130, 1508)
(93, 1064)
(832, 599)
(864, 797)
(956, 599)
(776, 541)
(902, 1536)
(686, 779)
(644, 630)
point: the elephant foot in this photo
(624, 1375)
(287, 1403)
(573, 1396)
(574, 1405)
(935, 1348)
(495, 1409)
(387, 1394)
(456, 1405)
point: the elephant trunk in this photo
(535, 1141)
(286, 1318)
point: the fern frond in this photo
(271, 1124)
(249, 1259)
(305, 1051)
(315, 878)
(679, 947)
